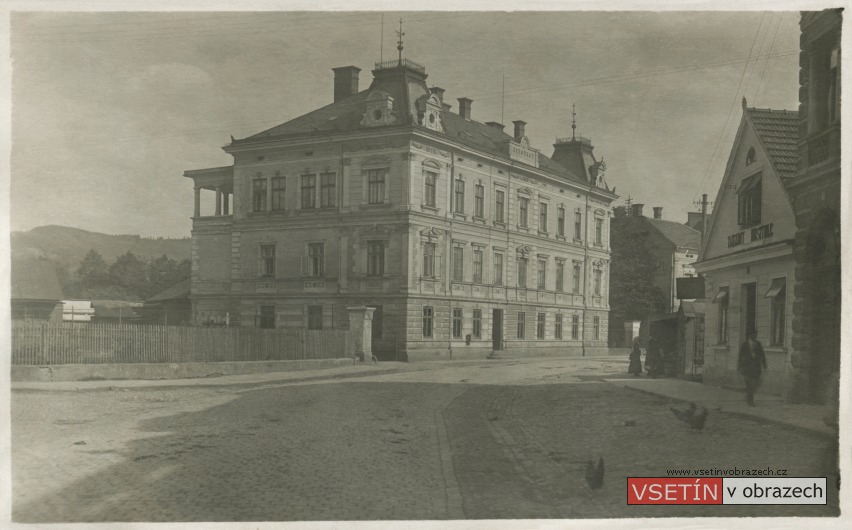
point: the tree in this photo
(164, 272)
(129, 272)
(93, 271)
(633, 294)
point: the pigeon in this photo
(595, 474)
(692, 416)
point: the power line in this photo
(766, 62)
(256, 125)
(604, 80)
(730, 111)
(756, 60)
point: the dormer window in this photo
(749, 198)
(751, 156)
(379, 110)
(429, 112)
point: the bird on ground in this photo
(595, 474)
(693, 416)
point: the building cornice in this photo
(778, 249)
(517, 167)
(243, 146)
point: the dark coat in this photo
(635, 360)
(751, 360)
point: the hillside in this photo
(66, 246)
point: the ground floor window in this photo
(457, 323)
(477, 323)
(557, 330)
(596, 322)
(427, 322)
(539, 326)
(314, 317)
(575, 327)
(266, 317)
(521, 324)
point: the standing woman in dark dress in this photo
(635, 367)
(653, 358)
(751, 362)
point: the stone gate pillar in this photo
(359, 340)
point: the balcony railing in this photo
(821, 148)
(407, 63)
(581, 139)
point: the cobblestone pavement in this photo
(454, 441)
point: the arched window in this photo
(750, 157)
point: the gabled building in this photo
(170, 307)
(35, 291)
(747, 260)
(671, 246)
(464, 238)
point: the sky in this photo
(109, 109)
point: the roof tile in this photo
(778, 131)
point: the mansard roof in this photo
(405, 87)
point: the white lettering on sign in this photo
(757, 233)
(761, 232)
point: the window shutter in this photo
(438, 266)
(306, 266)
(258, 267)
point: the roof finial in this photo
(744, 103)
(573, 121)
(399, 34)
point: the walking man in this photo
(751, 362)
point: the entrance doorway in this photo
(748, 307)
(497, 329)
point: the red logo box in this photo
(674, 490)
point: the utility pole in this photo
(703, 222)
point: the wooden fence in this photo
(40, 344)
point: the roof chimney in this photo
(693, 220)
(520, 127)
(658, 212)
(345, 82)
(637, 210)
(464, 107)
(497, 125)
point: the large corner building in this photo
(463, 237)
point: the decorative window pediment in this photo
(524, 191)
(524, 250)
(431, 233)
(432, 164)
